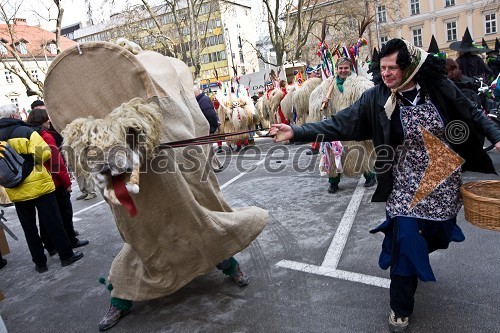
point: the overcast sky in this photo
(38, 11)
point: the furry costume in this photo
(301, 98)
(183, 227)
(263, 109)
(358, 156)
(238, 116)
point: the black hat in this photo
(497, 47)
(433, 46)
(485, 46)
(466, 45)
(375, 54)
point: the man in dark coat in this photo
(207, 107)
(415, 102)
(208, 110)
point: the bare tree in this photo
(193, 20)
(290, 24)
(14, 62)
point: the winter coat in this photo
(208, 110)
(31, 146)
(366, 119)
(55, 164)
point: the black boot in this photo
(333, 188)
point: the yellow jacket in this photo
(28, 143)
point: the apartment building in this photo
(36, 48)
(418, 20)
(225, 27)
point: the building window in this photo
(222, 55)
(383, 40)
(417, 36)
(415, 7)
(381, 14)
(8, 77)
(451, 31)
(490, 22)
(34, 75)
(21, 48)
(449, 3)
(13, 100)
(52, 48)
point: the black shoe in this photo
(238, 149)
(111, 318)
(3, 262)
(75, 257)
(218, 169)
(76, 233)
(239, 278)
(371, 182)
(52, 252)
(41, 269)
(312, 152)
(333, 188)
(80, 243)
(220, 151)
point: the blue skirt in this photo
(409, 240)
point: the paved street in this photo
(313, 268)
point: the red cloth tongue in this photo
(122, 194)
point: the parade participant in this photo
(415, 95)
(493, 60)
(174, 222)
(469, 62)
(348, 87)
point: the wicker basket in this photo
(482, 203)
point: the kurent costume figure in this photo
(174, 223)
(347, 157)
(409, 112)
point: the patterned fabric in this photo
(444, 201)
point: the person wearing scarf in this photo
(415, 98)
(354, 85)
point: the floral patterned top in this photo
(410, 165)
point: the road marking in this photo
(336, 248)
(229, 182)
(335, 273)
(89, 207)
(332, 257)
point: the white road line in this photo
(89, 207)
(334, 252)
(229, 182)
(76, 219)
(335, 273)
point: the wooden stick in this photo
(327, 97)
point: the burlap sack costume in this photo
(183, 227)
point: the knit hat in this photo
(417, 59)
